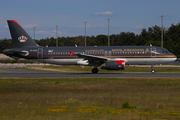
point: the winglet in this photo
(71, 53)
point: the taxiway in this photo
(26, 73)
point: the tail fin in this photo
(19, 36)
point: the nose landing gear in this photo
(152, 69)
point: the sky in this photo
(71, 15)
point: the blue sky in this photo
(70, 15)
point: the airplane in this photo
(108, 57)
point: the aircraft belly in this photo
(149, 60)
(135, 61)
(59, 61)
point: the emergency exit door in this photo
(40, 53)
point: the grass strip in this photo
(89, 98)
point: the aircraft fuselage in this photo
(130, 54)
(108, 57)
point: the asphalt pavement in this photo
(26, 73)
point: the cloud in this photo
(87, 26)
(59, 32)
(49, 33)
(3, 30)
(95, 26)
(139, 27)
(26, 26)
(41, 32)
(30, 26)
(6, 26)
(104, 13)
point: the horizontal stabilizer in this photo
(12, 52)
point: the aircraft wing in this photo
(92, 59)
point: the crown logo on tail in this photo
(22, 38)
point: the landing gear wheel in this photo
(94, 70)
(153, 71)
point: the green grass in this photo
(90, 99)
(65, 68)
(2, 71)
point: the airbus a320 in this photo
(108, 57)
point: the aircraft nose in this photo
(174, 56)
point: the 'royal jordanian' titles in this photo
(108, 57)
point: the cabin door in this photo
(40, 53)
(153, 52)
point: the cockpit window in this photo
(165, 51)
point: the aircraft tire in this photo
(94, 70)
(153, 71)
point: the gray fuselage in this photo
(130, 54)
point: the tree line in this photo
(152, 35)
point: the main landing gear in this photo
(94, 70)
(152, 69)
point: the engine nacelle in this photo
(114, 65)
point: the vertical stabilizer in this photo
(19, 36)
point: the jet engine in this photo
(114, 65)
